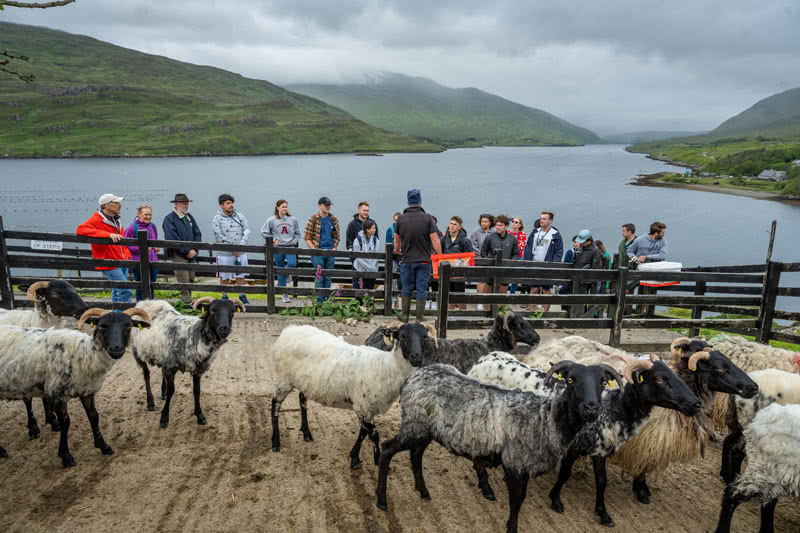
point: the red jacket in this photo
(96, 226)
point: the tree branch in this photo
(27, 78)
(39, 5)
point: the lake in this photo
(586, 187)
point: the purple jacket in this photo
(152, 233)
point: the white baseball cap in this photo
(108, 198)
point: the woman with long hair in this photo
(284, 230)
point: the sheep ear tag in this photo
(610, 383)
(640, 378)
(140, 326)
(559, 377)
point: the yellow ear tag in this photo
(610, 383)
(140, 326)
(693, 369)
(641, 378)
(559, 377)
(92, 325)
(238, 309)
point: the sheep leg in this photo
(375, 437)
(564, 473)
(304, 419)
(416, 468)
(768, 517)
(170, 378)
(33, 426)
(3, 453)
(733, 454)
(151, 405)
(60, 408)
(355, 452)
(281, 391)
(94, 421)
(163, 386)
(517, 490)
(729, 504)
(49, 415)
(483, 479)
(600, 482)
(198, 411)
(640, 488)
(390, 448)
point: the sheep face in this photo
(58, 296)
(584, 385)
(721, 375)
(410, 337)
(661, 387)
(219, 316)
(521, 329)
(113, 331)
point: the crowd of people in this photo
(414, 234)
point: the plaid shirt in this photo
(313, 226)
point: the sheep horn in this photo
(35, 287)
(94, 311)
(395, 324)
(697, 356)
(561, 365)
(508, 314)
(238, 303)
(635, 364)
(432, 332)
(674, 346)
(203, 300)
(141, 313)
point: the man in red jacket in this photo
(105, 223)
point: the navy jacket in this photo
(554, 251)
(176, 229)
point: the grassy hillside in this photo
(423, 108)
(775, 116)
(91, 98)
(646, 136)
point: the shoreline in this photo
(654, 180)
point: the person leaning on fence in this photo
(322, 232)
(366, 241)
(588, 256)
(105, 224)
(628, 236)
(357, 224)
(501, 241)
(416, 234)
(395, 263)
(180, 225)
(456, 242)
(543, 244)
(231, 227)
(284, 230)
(485, 227)
(143, 221)
(650, 248)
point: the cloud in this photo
(611, 66)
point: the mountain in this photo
(423, 108)
(92, 98)
(647, 136)
(777, 115)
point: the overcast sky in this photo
(612, 66)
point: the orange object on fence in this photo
(467, 259)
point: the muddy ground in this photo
(224, 476)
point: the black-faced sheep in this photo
(332, 372)
(506, 332)
(524, 433)
(177, 342)
(61, 364)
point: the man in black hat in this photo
(179, 225)
(322, 232)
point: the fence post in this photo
(575, 310)
(697, 311)
(769, 297)
(651, 308)
(6, 290)
(444, 299)
(388, 279)
(144, 266)
(498, 261)
(269, 267)
(615, 337)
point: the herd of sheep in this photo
(530, 414)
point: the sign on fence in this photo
(466, 259)
(52, 246)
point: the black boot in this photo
(406, 312)
(420, 310)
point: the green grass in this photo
(92, 98)
(729, 183)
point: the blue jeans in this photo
(118, 274)
(138, 277)
(285, 261)
(327, 263)
(414, 278)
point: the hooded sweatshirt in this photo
(460, 245)
(286, 230)
(152, 234)
(363, 244)
(230, 229)
(353, 228)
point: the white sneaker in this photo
(285, 299)
(434, 306)
(427, 305)
(480, 307)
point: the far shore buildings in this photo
(772, 175)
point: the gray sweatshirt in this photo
(477, 237)
(231, 229)
(285, 230)
(362, 244)
(655, 250)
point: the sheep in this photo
(56, 304)
(61, 364)
(506, 332)
(182, 343)
(671, 437)
(749, 356)
(774, 386)
(578, 349)
(332, 372)
(772, 442)
(524, 433)
(623, 412)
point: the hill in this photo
(423, 108)
(777, 115)
(646, 136)
(92, 98)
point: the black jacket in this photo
(460, 246)
(508, 246)
(590, 257)
(352, 230)
(176, 229)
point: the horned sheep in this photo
(330, 371)
(177, 342)
(60, 364)
(525, 433)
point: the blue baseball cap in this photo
(583, 236)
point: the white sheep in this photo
(578, 349)
(332, 372)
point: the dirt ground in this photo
(224, 476)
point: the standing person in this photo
(485, 227)
(606, 258)
(322, 232)
(395, 263)
(366, 241)
(231, 227)
(143, 221)
(518, 231)
(416, 234)
(501, 240)
(628, 236)
(650, 248)
(588, 255)
(179, 225)
(284, 230)
(569, 257)
(544, 244)
(357, 224)
(456, 242)
(391, 229)
(105, 224)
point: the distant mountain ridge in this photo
(778, 114)
(421, 107)
(647, 136)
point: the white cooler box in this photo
(660, 266)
